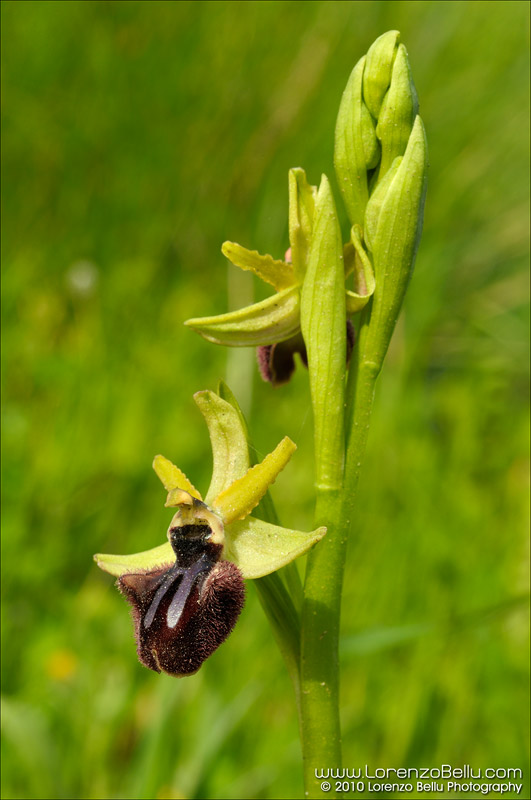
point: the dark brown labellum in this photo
(182, 612)
(276, 362)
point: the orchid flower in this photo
(186, 594)
(274, 324)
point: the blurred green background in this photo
(137, 137)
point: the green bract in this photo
(323, 328)
(397, 225)
(257, 548)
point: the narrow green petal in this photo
(239, 499)
(172, 477)
(363, 275)
(258, 548)
(230, 453)
(301, 211)
(156, 558)
(278, 273)
(273, 320)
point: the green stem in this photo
(359, 399)
(319, 719)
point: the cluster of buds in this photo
(381, 163)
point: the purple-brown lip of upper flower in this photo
(276, 362)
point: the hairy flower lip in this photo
(179, 646)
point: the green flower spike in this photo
(274, 323)
(186, 594)
(381, 165)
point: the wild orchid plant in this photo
(186, 595)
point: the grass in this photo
(137, 137)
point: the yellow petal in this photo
(172, 477)
(244, 494)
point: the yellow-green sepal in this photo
(230, 454)
(244, 494)
(258, 548)
(275, 272)
(273, 320)
(161, 557)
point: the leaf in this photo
(258, 548)
(272, 320)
